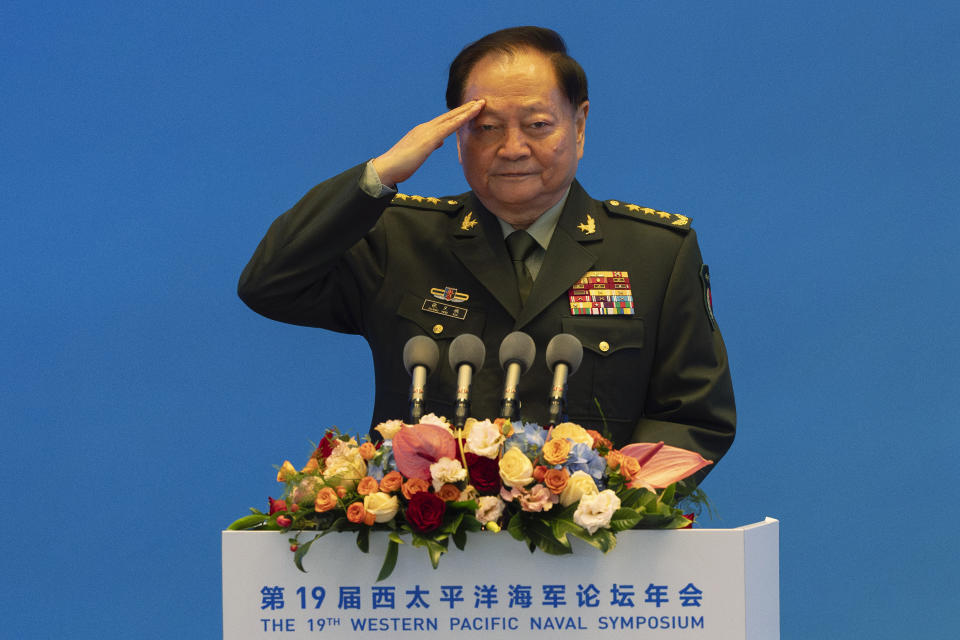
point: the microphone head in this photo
(467, 349)
(420, 350)
(567, 349)
(517, 347)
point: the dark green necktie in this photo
(520, 245)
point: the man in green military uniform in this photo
(526, 249)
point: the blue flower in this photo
(584, 458)
(529, 437)
(383, 463)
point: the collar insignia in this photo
(588, 227)
(469, 222)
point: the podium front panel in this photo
(701, 583)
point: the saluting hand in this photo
(404, 158)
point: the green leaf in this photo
(541, 534)
(454, 524)
(562, 526)
(363, 539)
(248, 522)
(515, 528)
(668, 493)
(395, 537)
(389, 560)
(301, 551)
(470, 523)
(435, 549)
(460, 539)
(624, 519)
(602, 539)
(631, 498)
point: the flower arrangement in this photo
(436, 484)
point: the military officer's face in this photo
(520, 153)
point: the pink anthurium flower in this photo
(415, 448)
(661, 465)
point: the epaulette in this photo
(424, 202)
(646, 214)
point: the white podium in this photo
(714, 584)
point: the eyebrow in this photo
(539, 106)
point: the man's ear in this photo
(580, 120)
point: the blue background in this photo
(146, 149)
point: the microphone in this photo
(564, 354)
(466, 356)
(516, 355)
(420, 355)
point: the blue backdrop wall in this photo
(146, 149)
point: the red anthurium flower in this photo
(416, 448)
(277, 505)
(661, 465)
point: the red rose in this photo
(326, 445)
(425, 511)
(484, 474)
(277, 505)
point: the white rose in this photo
(516, 470)
(432, 418)
(346, 464)
(573, 432)
(490, 510)
(446, 470)
(484, 439)
(383, 506)
(580, 484)
(389, 428)
(594, 511)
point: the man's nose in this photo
(514, 144)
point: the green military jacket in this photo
(391, 268)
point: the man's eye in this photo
(486, 127)
(540, 125)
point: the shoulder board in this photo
(646, 214)
(424, 202)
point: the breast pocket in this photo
(612, 379)
(440, 320)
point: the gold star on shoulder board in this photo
(469, 222)
(681, 220)
(633, 207)
(417, 198)
(433, 200)
(588, 227)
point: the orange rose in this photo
(599, 440)
(326, 500)
(614, 458)
(629, 468)
(414, 486)
(391, 482)
(357, 514)
(367, 451)
(449, 493)
(539, 472)
(556, 480)
(367, 486)
(341, 492)
(556, 450)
